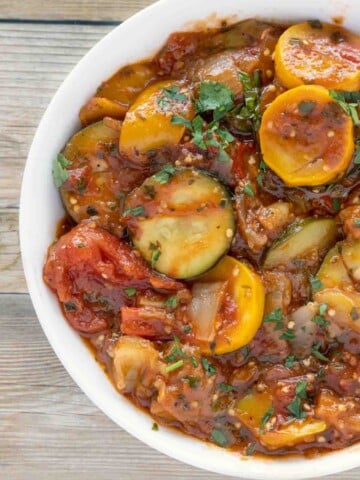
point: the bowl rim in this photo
(174, 444)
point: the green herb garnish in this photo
(60, 174)
(275, 317)
(135, 211)
(317, 354)
(315, 283)
(171, 302)
(130, 292)
(289, 361)
(218, 437)
(164, 175)
(347, 104)
(225, 387)
(265, 418)
(209, 368)
(248, 190)
(306, 107)
(174, 366)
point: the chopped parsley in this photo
(289, 361)
(315, 351)
(192, 381)
(288, 335)
(275, 317)
(348, 103)
(323, 308)
(60, 174)
(155, 427)
(320, 320)
(357, 222)
(218, 99)
(135, 211)
(306, 107)
(248, 190)
(70, 307)
(209, 368)
(165, 174)
(336, 204)
(315, 283)
(225, 387)
(187, 329)
(250, 110)
(171, 302)
(295, 407)
(169, 96)
(250, 449)
(130, 292)
(265, 418)
(214, 97)
(174, 366)
(218, 437)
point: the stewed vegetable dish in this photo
(211, 251)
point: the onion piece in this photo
(205, 304)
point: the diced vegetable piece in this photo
(304, 329)
(252, 408)
(333, 272)
(318, 53)
(227, 307)
(350, 253)
(148, 123)
(205, 304)
(98, 108)
(221, 68)
(181, 220)
(306, 137)
(135, 363)
(308, 238)
(127, 83)
(345, 304)
(94, 188)
(342, 414)
(350, 217)
(293, 433)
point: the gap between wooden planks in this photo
(108, 10)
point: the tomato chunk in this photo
(90, 270)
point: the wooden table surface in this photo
(48, 427)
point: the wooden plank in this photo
(34, 61)
(48, 428)
(68, 9)
(11, 273)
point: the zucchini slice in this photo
(307, 239)
(181, 220)
(94, 187)
(333, 272)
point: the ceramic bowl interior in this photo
(136, 39)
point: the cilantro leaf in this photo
(349, 107)
(289, 361)
(130, 292)
(164, 175)
(215, 97)
(135, 211)
(209, 368)
(60, 174)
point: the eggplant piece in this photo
(181, 220)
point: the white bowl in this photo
(40, 209)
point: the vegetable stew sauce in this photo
(211, 252)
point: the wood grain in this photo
(69, 10)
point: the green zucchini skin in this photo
(97, 180)
(181, 222)
(309, 238)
